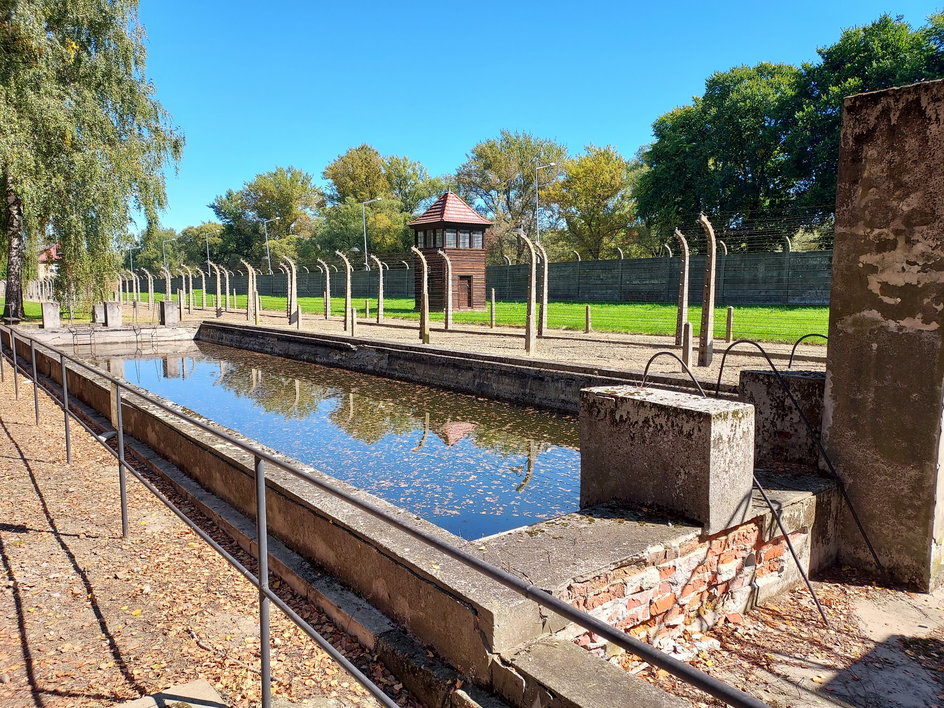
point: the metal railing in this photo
(119, 388)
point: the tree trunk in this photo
(13, 306)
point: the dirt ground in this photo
(90, 619)
(883, 648)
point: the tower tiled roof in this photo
(451, 209)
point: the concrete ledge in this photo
(530, 382)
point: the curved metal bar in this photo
(796, 558)
(797, 343)
(816, 438)
(645, 372)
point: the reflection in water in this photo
(473, 466)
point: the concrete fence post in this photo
(530, 339)
(682, 314)
(327, 289)
(729, 328)
(542, 319)
(347, 288)
(380, 288)
(706, 340)
(424, 295)
(491, 314)
(588, 328)
(447, 305)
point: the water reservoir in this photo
(473, 466)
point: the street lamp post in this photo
(364, 216)
(131, 255)
(537, 191)
(265, 228)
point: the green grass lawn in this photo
(765, 323)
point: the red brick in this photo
(657, 607)
(666, 571)
(732, 555)
(772, 551)
(693, 586)
(597, 600)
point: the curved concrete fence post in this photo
(447, 305)
(530, 340)
(424, 295)
(295, 310)
(347, 289)
(250, 292)
(706, 339)
(226, 273)
(203, 289)
(542, 319)
(682, 316)
(168, 293)
(380, 287)
(327, 289)
(150, 279)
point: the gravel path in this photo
(90, 619)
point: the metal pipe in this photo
(65, 408)
(122, 478)
(262, 539)
(35, 383)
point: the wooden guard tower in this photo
(458, 230)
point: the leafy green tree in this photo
(498, 178)
(724, 153)
(286, 198)
(359, 174)
(410, 182)
(879, 55)
(152, 247)
(594, 200)
(342, 228)
(194, 241)
(83, 141)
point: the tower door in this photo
(465, 291)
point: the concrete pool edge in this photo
(491, 625)
(525, 381)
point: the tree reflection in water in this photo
(471, 465)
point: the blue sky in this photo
(257, 85)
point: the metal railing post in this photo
(3, 367)
(262, 540)
(122, 476)
(16, 378)
(65, 409)
(35, 382)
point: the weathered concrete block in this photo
(51, 317)
(98, 313)
(112, 314)
(780, 436)
(168, 313)
(687, 454)
(885, 365)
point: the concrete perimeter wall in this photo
(798, 278)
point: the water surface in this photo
(472, 466)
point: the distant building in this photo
(458, 230)
(47, 261)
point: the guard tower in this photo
(457, 229)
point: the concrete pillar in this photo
(588, 327)
(112, 314)
(424, 295)
(883, 412)
(685, 454)
(491, 314)
(447, 305)
(380, 289)
(686, 354)
(347, 289)
(682, 316)
(168, 314)
(706, 339)
(542, 318)
(51, 317)
(729, 326)
(98, 313)
(530, 340)
(181, 299)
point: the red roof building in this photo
(453, 227)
